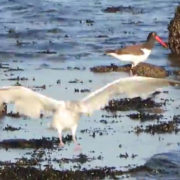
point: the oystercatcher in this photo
(139, 52)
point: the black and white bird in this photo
(66, 114)
(139, 52)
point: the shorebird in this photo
(66, 114)
(139, 52)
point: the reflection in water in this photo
(174, 60)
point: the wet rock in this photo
(149, 70)
(81, 90)
(76, 68)
(112, 67)
(162, 127)
(142, 69)
(47, 52)
(16, 171)
(33, 143)
(174, 33)
(97, 131)
(131, 104)
(89, 22)
(145, 116)
(11, 31)
(177, 73)
(76, 81)
(103, 121)
(133, 156)
(81, 158)
(102, 36)
(4, 66)
(27, 162)
(18, 84)
(54, 30)
(40, 87)
(124, 155)
(176, 118)
(14, 115)
(122, 9)
(14, 69)
(111, 116)
(17, 79)
(10, 128)
(58, 81)
(21, 43)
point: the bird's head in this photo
(153, 36)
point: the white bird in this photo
(66, 114)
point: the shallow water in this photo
(47, 39)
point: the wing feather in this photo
(134, 49)
(131, 86)
(28, 102)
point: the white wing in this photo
(131, 86)
(28, 102)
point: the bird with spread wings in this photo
(66, 114)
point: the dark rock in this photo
(81, 90)
(10, 128)
(131, 104)
(174, 33)
(47, 52)
(58, 81)
(145, 116)
(81, 158)
(162, 127)
(112, 67)
(14, 115)
(40, 87)
(149, 70)
(18, 79)
(16, 171)
(76, 81)
(89, 22)
(33, 143)
(124, 155)
(142, 69)
(122, 9)
(13, 69)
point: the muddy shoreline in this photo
(57, 48)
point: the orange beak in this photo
(161, 41)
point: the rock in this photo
(149, 70)
(174, 32)
(142, 69)
(122, 9)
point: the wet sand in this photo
(51, 47)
